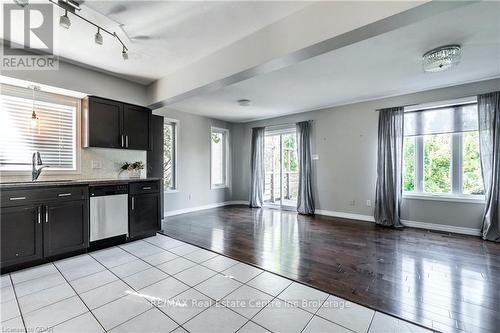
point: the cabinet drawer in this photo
(144, 187)
(12, 198)
(67, 193)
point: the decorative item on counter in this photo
(133, 169)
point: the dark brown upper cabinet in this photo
(112, 124)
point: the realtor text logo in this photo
(28, 38)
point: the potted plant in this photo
(133, 169)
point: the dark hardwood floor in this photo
(445, 282)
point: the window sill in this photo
(445, 197)
(218, 187)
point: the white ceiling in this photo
(163, 36)
(386, 65)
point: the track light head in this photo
(64, 20)
(98, 37)
(124, 54)
(22, 3)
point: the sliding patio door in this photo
(281, 169)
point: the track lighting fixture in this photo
(73, 6)
(64, 21)
(124, 54)
(98, 37)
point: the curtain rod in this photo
(282, 124)
(402, 106)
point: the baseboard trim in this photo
(204, 207)
(408, 223)
(442, 227)
(343, 215)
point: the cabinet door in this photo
(21, 234)
(65, 227)
(105, 123)
(136, 127)
(144, 214)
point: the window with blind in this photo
(441, 150)
(54, 135)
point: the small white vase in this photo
(134, 173)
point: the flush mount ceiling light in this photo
(442, 58)
(244, 102)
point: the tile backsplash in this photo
(107, 163)
(111, 160)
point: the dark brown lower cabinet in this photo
(21, 234)
(39, 224)
(144, 214)
(65, 227)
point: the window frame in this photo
(78, 148)
(226, 154)
(456, 194)
(175, 156)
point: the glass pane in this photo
(218, 170)
(168, 156)
(409, 164)
(272, 163)
(437, 163)
(290, 170)
(472, 179)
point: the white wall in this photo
(193, 162)
(345, 138)
(85, 80)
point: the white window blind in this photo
(454, 119)
(54, 137)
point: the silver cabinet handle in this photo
(126, 141)
(46, 214)
(17, 198)
(64, 194)
(39, 214)
(122, 141)
(133, 203)
(146, 188)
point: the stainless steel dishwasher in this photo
(108, 211)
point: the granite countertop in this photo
(73, 182)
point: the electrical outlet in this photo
(315, 157)
(189, 196)
(96, 164)
(352, 203)
(368, 203)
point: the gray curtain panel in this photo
(257, 167)
(389, 167)
(305, 200)
(489, 147)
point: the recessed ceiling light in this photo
(244, 102)
(442, 58)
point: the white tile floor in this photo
(164, 285)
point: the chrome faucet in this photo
(36, 160)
